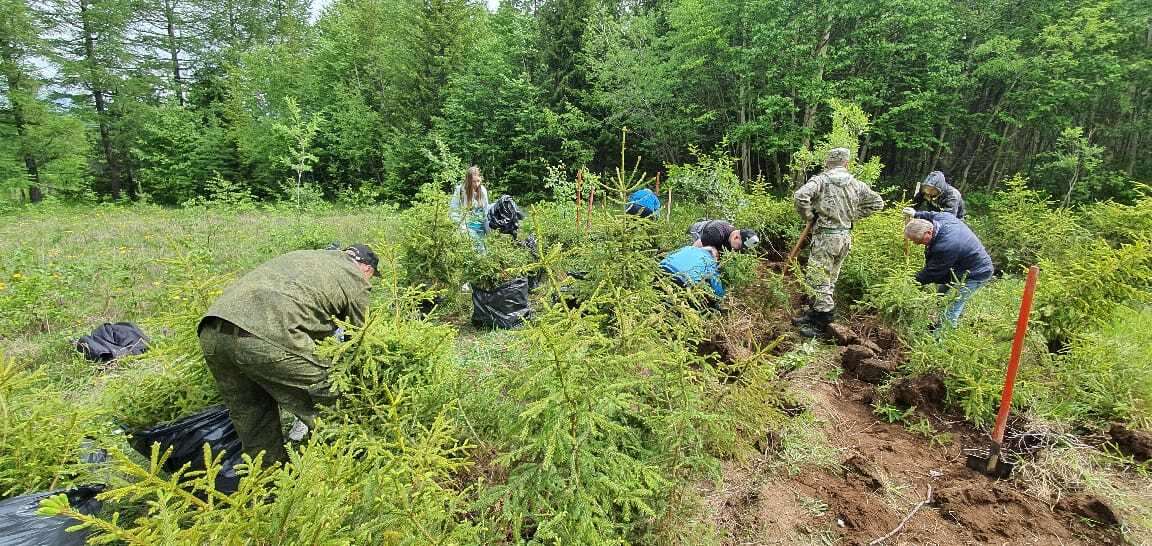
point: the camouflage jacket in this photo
(290, 300)
(837, 199)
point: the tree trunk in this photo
(111, 165)
(745, 145)
(16, 85)
(935, 163)
(173, 50)
(820, 52)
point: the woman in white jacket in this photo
(470, 204)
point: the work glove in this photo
(909, 212)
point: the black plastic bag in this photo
(186, 438)
(506, 306)
(20, 526)
(504, 216)
(109, 341)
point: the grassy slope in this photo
(66, 270)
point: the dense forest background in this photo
(168, 100)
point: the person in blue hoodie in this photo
(953, 257)
(643, 203)
(692, 265)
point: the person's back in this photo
(290, 300)
(259, 336)
(643, 203)
(955, 252)
(691, 265)
(837, 199)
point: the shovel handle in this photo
(1014, 360)
(800, 242)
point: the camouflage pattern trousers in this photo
(828, 250)
(255, 378)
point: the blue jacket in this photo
(643, 202)
(691, 264)
(955, 253)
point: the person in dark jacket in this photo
(722, 236)
(937, 195)
(953, 256)
(259, 336)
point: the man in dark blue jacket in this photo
(953, 256)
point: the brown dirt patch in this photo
(1136, 443)
(884, 472)
(925, 392)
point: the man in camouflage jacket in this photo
(834, 200)
(259, 336)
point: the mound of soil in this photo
(863, 362)
(883, 473)
(925, 392)
(1136, 443)
(1092, 508)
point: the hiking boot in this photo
(817, 325)
(801, 320)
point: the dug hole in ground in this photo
(839, 473)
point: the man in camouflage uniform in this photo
(259, 336)
(834, 200)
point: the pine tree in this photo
(19, 41)
(88, 40)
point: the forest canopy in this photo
(170, 100)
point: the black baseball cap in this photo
(363, 254)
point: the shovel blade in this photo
(994, 467)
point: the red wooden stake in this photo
(579, 194)
(657, 183)
(591, 199)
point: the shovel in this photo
(799, 243)
(992, 462)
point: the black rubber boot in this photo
(801, 320)
(818, 325)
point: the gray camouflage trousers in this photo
(828, 250)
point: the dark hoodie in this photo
(949, 199)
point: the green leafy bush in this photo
(350, 488)
(1083, 292)
(711, 180)
(578, 472)
(42, 433)
(773, 218)
(738, 270)
(503, 259)
(1118, 223)
(382, 466)
(224, 194)
(972, 358)
(1022, 227)
(877, 255)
